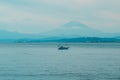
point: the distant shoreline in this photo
(64, 40)
(59, 42)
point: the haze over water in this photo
(42, 61)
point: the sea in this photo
(43, 61)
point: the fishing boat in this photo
(63, 48)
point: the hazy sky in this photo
(35, 16)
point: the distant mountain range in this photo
(70, 30)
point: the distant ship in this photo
(63, 48)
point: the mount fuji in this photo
(74, 29)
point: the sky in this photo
(36, 16)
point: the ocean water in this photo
(43, 61)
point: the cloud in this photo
(67, 3)
(49, 14)
(14, 19)
(11, 14)
(111, 15)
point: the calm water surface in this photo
(84, 61)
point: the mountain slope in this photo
(15, 35)
(9, 35)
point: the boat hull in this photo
(63, 48)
